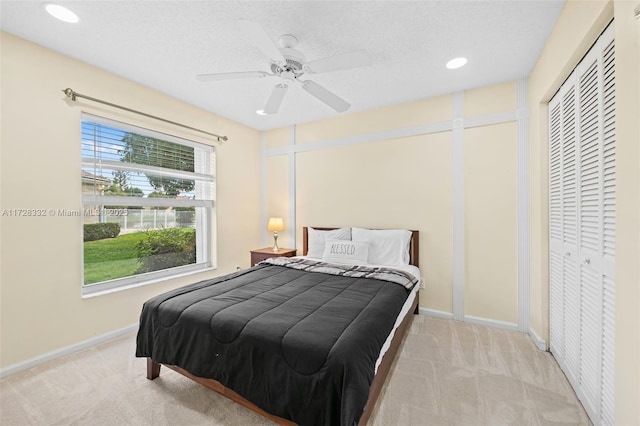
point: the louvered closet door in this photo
(564, 291)
(609, 235)
(556, 280)
(582, 228)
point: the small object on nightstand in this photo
(275, 224)
(258, 255)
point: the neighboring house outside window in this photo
(148, 205)
(89, 182)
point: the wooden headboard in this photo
(414, 244)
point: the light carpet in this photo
(447, 373)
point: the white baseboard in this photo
(470, 319)
(435, 313)
(491, 323)
(32, 362)
(537, 340)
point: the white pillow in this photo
(386, 246)
(316, 240)
(346, 251)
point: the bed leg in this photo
(153, 369)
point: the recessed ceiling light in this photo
(456, 63)
(261, 112)
(61, 13)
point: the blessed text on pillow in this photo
(346, 251)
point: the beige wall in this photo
(577, 28)
(404, 115)
(277, 196)
(41, 305)
(387, 168)
(491, 246)
(386, 184)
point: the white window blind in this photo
(178, 171)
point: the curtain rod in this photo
(73, 95)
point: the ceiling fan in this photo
(290, 65)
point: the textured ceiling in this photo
(164, 44)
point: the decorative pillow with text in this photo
(346, 252)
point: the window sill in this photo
(88, 293)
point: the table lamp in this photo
(275, 224)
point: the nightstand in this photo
(259, 255)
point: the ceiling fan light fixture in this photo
(456, 63)
(61, 13)
(290, 64)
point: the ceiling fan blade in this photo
(254, 32)
(231, 75)
(355, 59)
(275, 99)
(326, 96)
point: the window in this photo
(148, 205)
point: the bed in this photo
(298, 340)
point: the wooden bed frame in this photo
(153, 368)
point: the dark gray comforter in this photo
(301, 345)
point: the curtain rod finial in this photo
(70, 94)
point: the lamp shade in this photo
(275, 224)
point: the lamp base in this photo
(275, 242)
